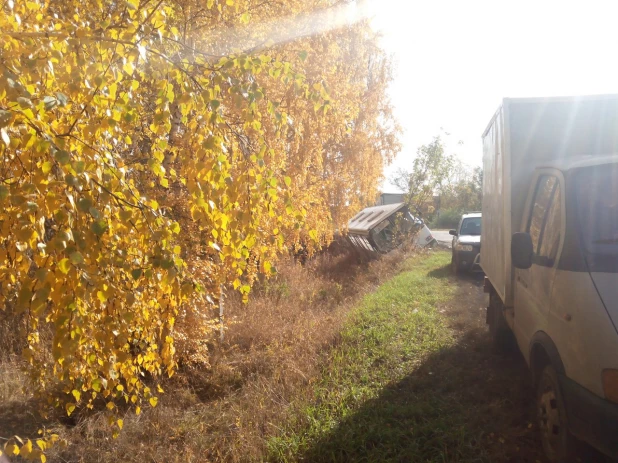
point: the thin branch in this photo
(96, 90)
(117, 198)
(177, 66)
(150, 15)
(193, 50)
(87, 145)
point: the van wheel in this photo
(502, 338)
(558, 443)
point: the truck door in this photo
(533, 287)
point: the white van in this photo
(550, 254)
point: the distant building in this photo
(390, 198)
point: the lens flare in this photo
(284, 30)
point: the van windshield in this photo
(597, 198)
(471, 226)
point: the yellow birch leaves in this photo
(141, 170)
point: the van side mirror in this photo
(522, 251)
(452, 232)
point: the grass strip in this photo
(357, 412)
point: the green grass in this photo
(356, 412)
(413, 378)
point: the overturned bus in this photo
(380, 229)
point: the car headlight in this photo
(463, 247)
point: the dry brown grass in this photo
(11, 335)
(271, 353)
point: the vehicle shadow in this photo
(462, 403)
(475, 277)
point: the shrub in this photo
(448, 218)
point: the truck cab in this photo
(565, 308)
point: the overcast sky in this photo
(456, 60)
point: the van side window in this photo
(545, 220)
(542, 198)
(550, 239)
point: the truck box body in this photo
(523, 135)
(380, 229)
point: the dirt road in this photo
(496, 389)
(442, 237)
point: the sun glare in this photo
(283, 30)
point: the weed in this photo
(225, 408)
(386, 337)
(414, 379)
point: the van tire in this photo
(502, 338)
(558, 443)
(454, 265)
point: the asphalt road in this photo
(442, 237)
